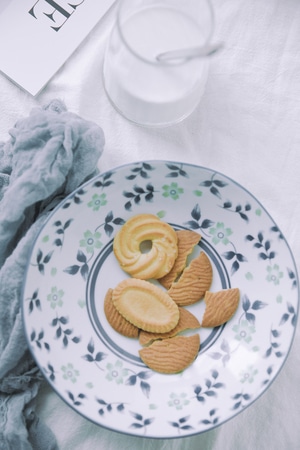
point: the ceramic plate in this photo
(98, 372)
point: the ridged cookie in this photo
(220, 307)
(193, 283)
(187, 239)
(116, 320)
(187, 321)
(145, 305)
(171, 355)
(156, 262)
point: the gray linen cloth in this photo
(49, 154)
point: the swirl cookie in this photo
(220, 307)
(128, 242)
(145, 305)
(187, 239)
(193, 283)
(171, 355)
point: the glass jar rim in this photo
(158, 62)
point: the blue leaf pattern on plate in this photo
(98, 372)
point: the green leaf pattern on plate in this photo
(99, 373)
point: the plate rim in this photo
(90, 181)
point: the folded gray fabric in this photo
(49, 154)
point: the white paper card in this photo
(38, 36)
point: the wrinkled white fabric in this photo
(247, 126)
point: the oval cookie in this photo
(220, 307)
(116, 320)
(187, 321)
(193, 283)
(145, 305)
(171, 355)
(187, 239)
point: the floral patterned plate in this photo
(97, 371)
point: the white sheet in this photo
(248, 127)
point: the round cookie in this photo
(162, 240)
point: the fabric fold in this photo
(49, 154)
